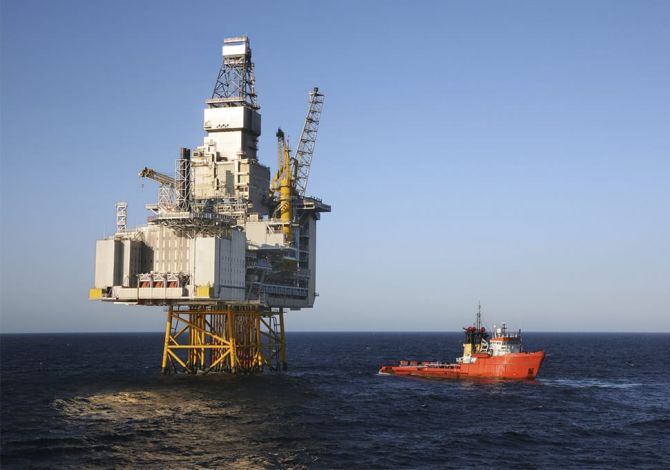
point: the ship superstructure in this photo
(227, 247)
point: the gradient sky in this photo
(514, 153)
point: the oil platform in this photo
(227, 248)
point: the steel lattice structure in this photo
(305, 150)
(236, 82)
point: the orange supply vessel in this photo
(499, 356)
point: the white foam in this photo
(589, 383)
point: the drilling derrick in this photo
(226, 249)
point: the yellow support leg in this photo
(282, 339)
(168, 327)
(226, 338)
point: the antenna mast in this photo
(479, 316)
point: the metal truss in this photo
(236, 84)
(121, 216)
(190, 224)
(242, 338)
(183, 183)
(166, 197)
(305, 150)
(236, 208)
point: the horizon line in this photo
(338, 331)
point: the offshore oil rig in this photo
(227, 248)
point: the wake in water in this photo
(589, 383)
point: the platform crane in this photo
(305, 150)
(166, 190)
(284, 184)
(160, 178)
(293, 172)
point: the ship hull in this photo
(516, 366)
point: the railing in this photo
(284, 290)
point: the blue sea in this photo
(98, 400)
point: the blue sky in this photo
(516, 153)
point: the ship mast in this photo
(478, 323)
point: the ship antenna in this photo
(479, 315)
